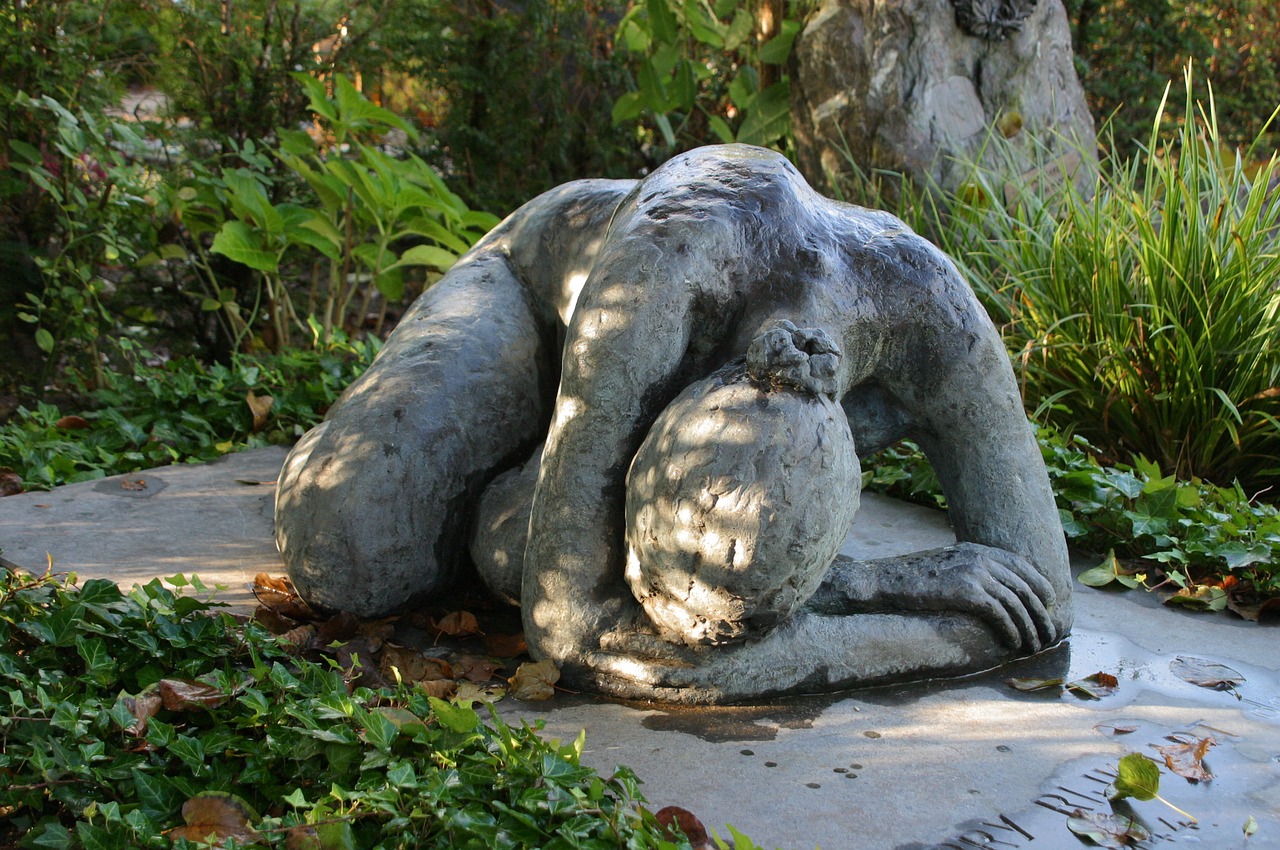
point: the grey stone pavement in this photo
(956, 764)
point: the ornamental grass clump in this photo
(1143, 315)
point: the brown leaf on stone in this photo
(184, 694)
(535, 680)
(477, 668)
(1206, 674)
(676, 821)
(1107, 830)
(278, 595)
(1248, 606)
(10, 482)
(506, 646)
(342, 626)
(1116, 728)
(273, 621)
(456, 624)
(260, 407)
(299, 639)
(412, 664)
(143, 708)
(128, 483)
(439, 688)
(1185, 758)
(72, 423)
(1096, 686)
(217, 815)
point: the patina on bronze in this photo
(637, 406)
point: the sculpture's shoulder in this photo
(570, 208)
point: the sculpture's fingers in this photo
(1021, 631)
(1033, 589)
(1026, 571)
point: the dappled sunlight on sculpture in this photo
(664, 482)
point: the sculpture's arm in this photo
(629, 334)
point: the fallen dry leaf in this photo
(1185, 758)
(216, 814)
(1090, 687)
(273, 621)
(1096, 686)
(1107, 830)
(72, 423)
(456, 624)
(1206, 674)
(477, 668)
(471, 692)
(676, 821)
(278, 595)
(506, 646)
(300, 638)
(183, 694)
(128, 483)
(10, 483)
(1116, 728)
(438, 688)
(535, 680)
(1248, 607)
(302, 837)
(143, 708)
(260, 407)
(412, 664)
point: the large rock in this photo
(915, 86)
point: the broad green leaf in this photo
(317, 95)
(721, 128)
(740, 31)
(44, 340)
(458, 718)
(776, 50)
(239, 242)
(1137, 777)
(427, 255)
(627, 107)
(662, 21)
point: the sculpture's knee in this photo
(373, 506)
(737, 502)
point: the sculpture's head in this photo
(737, 502)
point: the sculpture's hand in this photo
(1000, 588)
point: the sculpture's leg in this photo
(372, 505)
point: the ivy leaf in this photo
(1108, 571)
(456, 718)
(1107, 830)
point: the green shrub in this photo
(513, 98)
(140, 720)
(1127, 49)
(708, 71)
(150, 415)
(1145, 318)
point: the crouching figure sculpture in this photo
(637, 408)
